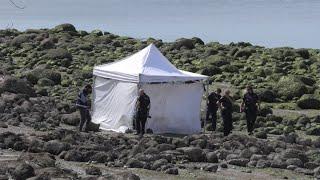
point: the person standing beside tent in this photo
(212, 107)
(225, 104)
(142, 112)
(250, 105)
(83, 106)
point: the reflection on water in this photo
(263, 22)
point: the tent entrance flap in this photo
(114, 103)
(175, 108)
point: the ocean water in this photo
(270, 23)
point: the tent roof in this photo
(147, 65)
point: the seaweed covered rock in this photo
(35, 75)
(289, 87)
(15, 85)
(64, 28)
(309, 101)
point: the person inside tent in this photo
(250, 105)
(225, 104)
(84, 106)
(142, 112)
(212, 107)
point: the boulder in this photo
(58, 53)
(56, 147)
(23, 171)
(65, 28)
(134, 163)
(211, 168)
(289, 87)
(158, 163)
(239, 162)
(195, 154)
(244, 52)
(92, 170)
(23, 38)
(315, 130)
(309, 101)
(212, 157)
(173, 171)
(38, 160)
(72, 119)
(183, 42)
(263, 163)
(304, 53)
(293, 153)
(39, 73)
(294, 161)
(15, 85)
(73, 155)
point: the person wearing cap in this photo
(142, 112)
(84, 107)
(226, 104)
(250, 105)
(212, 107)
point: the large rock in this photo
(309, 101)
(239, 162)
(294, 161)
(212, 157)
(56, 147)
(38, 160)
(23, 38)
(35, 75)
(183, 42)
(65, 28)
(23, 171)
(72, 119)
(158, 163)
(315, 130)
(245, 52)
(15, 85)
(289, 87)
(58, 53)
(293, 153)
(134, 163)
(195, 154)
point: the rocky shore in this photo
(42, 71)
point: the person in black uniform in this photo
(83, 105)
(212, 107)
(225, 104)
(250, 105)
(142, 110)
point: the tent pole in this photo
(206, 108)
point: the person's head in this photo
(88, 88)
(249, 89)
(227, 92)
(141, 92)
(218, 90)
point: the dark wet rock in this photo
(38, 160)
(304, 171)
(224, 165)
(263, 163)
(211, 168)
(92, 170)
(212, 157)
(294, 161)
(183, 42)
(23, 171)
(311, 165)
(73, 155)
(56, 147)
(134, 163)
(72, 119)
(173, 171)
(158, 163)
(194, 154)
(309, 101)
(15, 85)
(261, 134)
(239, 162)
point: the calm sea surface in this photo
(270, 23)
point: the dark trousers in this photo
(141, 120)
(212, 115)
(85, 118)
(227, 122)
(251, 117)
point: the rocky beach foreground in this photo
(42, 71)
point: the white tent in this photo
(175, 95)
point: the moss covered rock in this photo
(289, 87)
(309, 101)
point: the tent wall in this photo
(113, 104)
(175, 108)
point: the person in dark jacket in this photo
(212, 107)
(84, 106)
(250, 105)
(142, 112)
(225, 104)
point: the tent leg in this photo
(206, 109)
